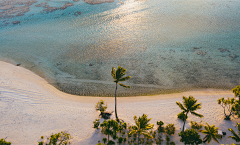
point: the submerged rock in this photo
(223, 50)
(200, 52)
(98, 1)
(50, 9)
(16, 22)
(233, 56)
(77, 13)
(66, 5)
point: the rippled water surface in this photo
(166, 46)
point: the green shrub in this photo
(160, 126)
(195, 125)
(110, 142)
(4, 142)
(190, 136)
(170, 129)
(100, 106)
(120, 140)
(104, 140)
(182, 116)
(124, 125)
(96, 123)
(167, 138)
(61, 138)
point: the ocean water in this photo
(165, 45)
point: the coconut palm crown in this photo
(211, 133)
(118, 76)
(189, 105)
(142, 126)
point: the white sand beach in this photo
(30, 108)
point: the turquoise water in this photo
(166, 46)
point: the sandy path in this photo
(30, 108)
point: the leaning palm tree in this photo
(211, 133)
(118, 77)
(235, 136)
(142, 126)
(189, 105)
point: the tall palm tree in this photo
(235, 136)
(211, 133)
(118, 77)
(142, 126)
(189, 105)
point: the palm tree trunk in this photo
(138, 139)
(184, 121)
(116, 103)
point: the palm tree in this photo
(118, 77)
(142, 126)
(211, 133)
(235, 136)
(189, 105)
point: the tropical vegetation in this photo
(4, 142)
(142, 126)
(190, 136)
(195, 125)
(61, 138)
(170, 129)
(235, 136)
(100, 106)
(118, 76)
(236, 92)
(211, 132)
(229, 107)
(189, 105)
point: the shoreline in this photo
(31, 107)
(122, 92)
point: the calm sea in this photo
(165, 45)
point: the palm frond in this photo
(215, 138)
(235, 136)
(196, 106)
(124, 79)
(147, 135)
(196, 114)
(181, 106)
(113, 72)
(132, 132)
(125, 86)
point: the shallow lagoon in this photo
(166, 46)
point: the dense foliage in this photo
(100, 106)
(190, 136)
(195, 125)
(4, 142)
(170, 129)
(61, 138)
